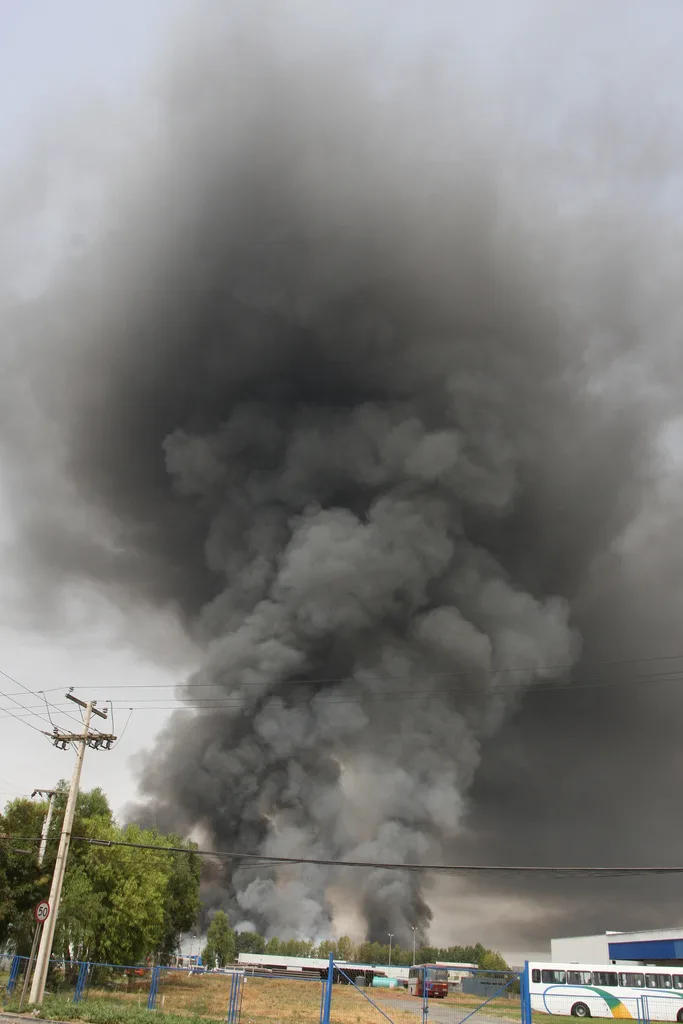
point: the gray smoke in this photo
(353, 377)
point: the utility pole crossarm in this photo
(91, 704)
(95, 740)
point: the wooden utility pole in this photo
(50, 794)
(61, 740)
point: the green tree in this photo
(182, 903)
(250, 942)
(220, 944)
(371, 953)
(345, 948)
(119, 904)
(273, 947)
(493, 961)
(401, 957)
(22, 882)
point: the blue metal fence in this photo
(235, 1001)
(121, 979)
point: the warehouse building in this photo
(661, 946)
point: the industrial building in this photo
(258, 963)
(307, 966)
(661, 946)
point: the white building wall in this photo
(594, 949)
(657, 933)
(586, 949)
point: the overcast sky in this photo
(53, 54)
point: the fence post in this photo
(13, 972)
(525, 994)
(80, 981)
(425, 997)
(235, 1001)
(327, 1001)
(153, 989)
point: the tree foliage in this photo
(119, 904)
(371, 952)
(220, 945)
(22, 883)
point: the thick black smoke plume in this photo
(349, 378)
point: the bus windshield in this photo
(437, 975)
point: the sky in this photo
(52, 55)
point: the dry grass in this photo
(267, 1001)
(280, 1001)
(291, 1002)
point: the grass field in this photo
(188, 999)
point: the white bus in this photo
(627, 991)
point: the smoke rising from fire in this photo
(355, 379)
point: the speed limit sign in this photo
(42, 912)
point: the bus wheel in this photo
(580, 1010)
(679, 1015)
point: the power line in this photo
(8, 783)
(378, 696)
(226, 701)
(20, 718)
(123, 731)
(218, 702)
(261, 860)
(265, 860)
(447, 673)
(34, 693)
(451, 673)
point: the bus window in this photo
(678, 981)
(579, 977)
(658, 980)
(630, 980)
(605, 978)
(553, 977)
(536, 975)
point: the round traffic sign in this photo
(42, 912)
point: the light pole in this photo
(414, 935)
(391, 935)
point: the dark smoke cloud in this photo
(365, 382)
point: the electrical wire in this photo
(22, 707)
(20, 718)
(266, 860)
(261, 860)
(6, 782)
(123, 731)
(495, 670)
(228, 701)
(379, 696)
(34, 693)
